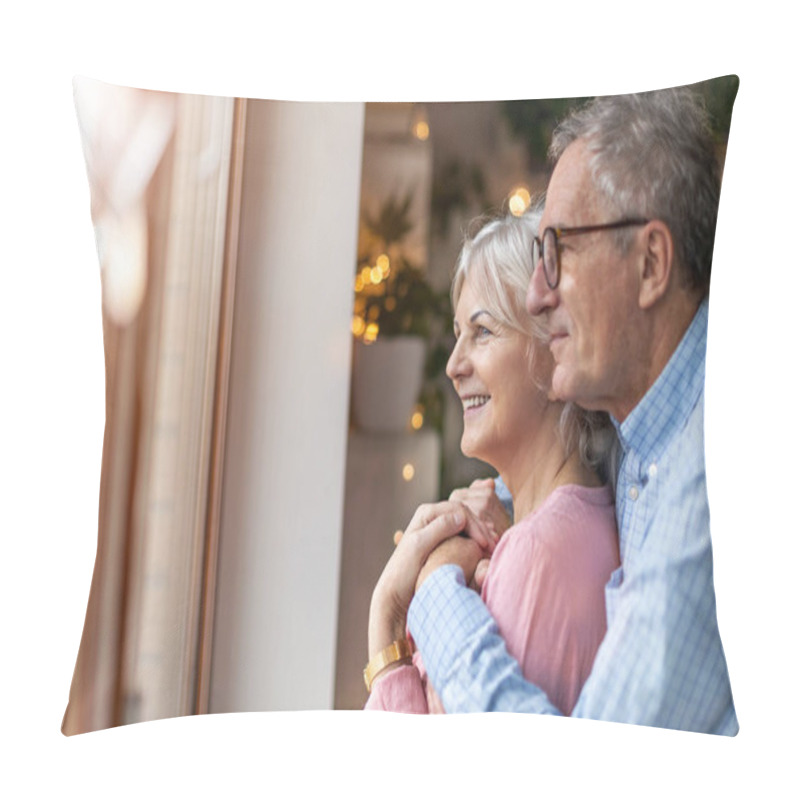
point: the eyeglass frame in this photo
(538, 244)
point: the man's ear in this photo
(657, 264)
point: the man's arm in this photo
(661, 662)
(465, 656)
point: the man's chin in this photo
(560, 386)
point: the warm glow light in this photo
(359, 326)
(417, 420)
(421, 130)
(366, 274)
(519, 201)
(408, 472)
(375, 275)
(382, 262)
(359, 284)
(371, 333)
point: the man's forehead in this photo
(570, 192)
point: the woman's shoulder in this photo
(576, 495)
(570, 512)
(574, 532)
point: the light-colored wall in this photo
(277, 593)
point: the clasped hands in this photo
(430, 541)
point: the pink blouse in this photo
(545, 589)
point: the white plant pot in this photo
(387, 378)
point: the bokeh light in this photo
(358, 326)
(519, 201)
(421, 130)
(371, 333)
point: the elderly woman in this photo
(545, 580)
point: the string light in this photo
(408, 472)
(417, 418)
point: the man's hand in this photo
(465, 553)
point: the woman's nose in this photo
(458, 363)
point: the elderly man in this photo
(622, 270)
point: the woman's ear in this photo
(657, 264)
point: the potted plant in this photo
(397, 322)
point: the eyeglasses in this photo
(547, 248)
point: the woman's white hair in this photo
(497, 257)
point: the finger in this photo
(458, 494)
(480, 487)
(427, 512)
(477, 499)
(420, 517)
(479, 530)
(423, 525)
(425, 539)
(481, 570)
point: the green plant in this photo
(457, 186)
(393, 297)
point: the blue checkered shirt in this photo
(661, 662)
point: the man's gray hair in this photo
(653, 155)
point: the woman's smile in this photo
(475, 402)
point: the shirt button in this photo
(633, 493)
(652, 470)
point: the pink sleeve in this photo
(401, 690)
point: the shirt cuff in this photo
(400, 690)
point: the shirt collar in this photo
(668, 402)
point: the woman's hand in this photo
(431, 525)
(481, 499)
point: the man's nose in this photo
(539, 296)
